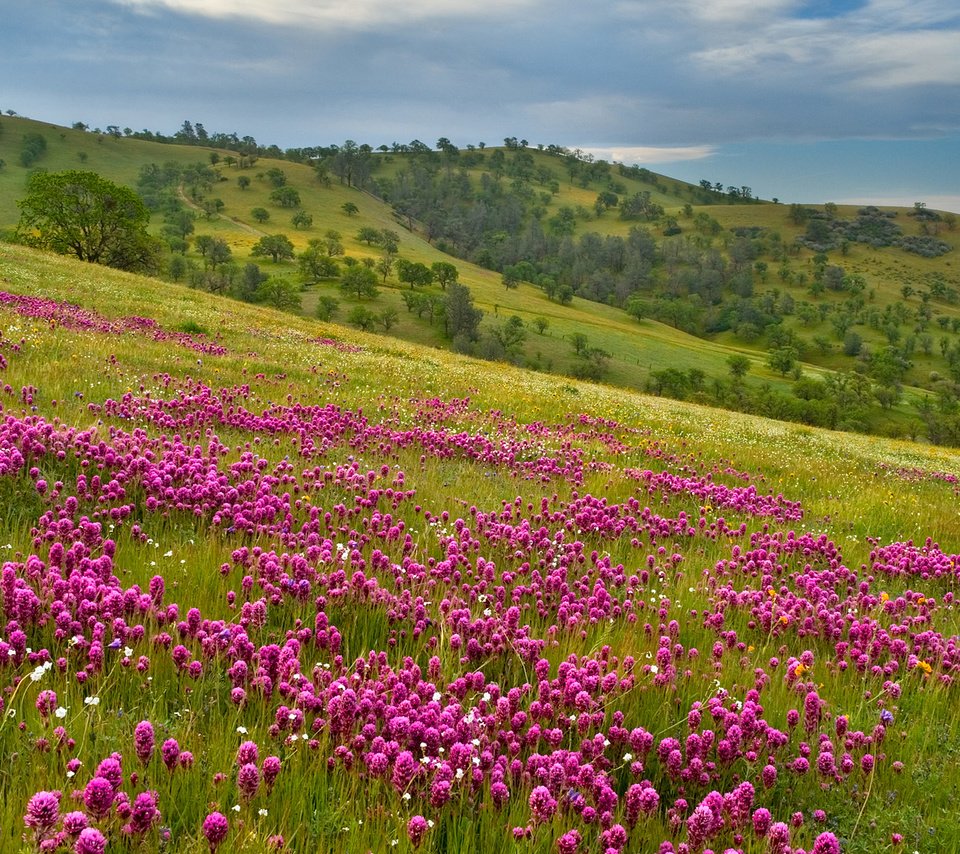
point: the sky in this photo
(804, 100)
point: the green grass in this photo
(848, 485)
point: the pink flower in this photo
(542, 804)
(271, 768)
(98, 796)
(248, 780)
(143, 740)
(46, 703)
(170, 753)
(43, 812)
(248, 752)
(74, 822)
(416, 828)
(761, 821)
(825, 843)
(215, 827)
(569, 843)
(90, 841)
(111, 770)
(144, 813)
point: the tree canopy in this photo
(85, 215)
(277, 246)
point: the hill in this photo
(277, 584)
(611, 272)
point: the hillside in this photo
(273, 584)
(846, 334)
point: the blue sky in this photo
(805, 100)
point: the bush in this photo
(925, 245)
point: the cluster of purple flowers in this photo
(508, 583)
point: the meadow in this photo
(272, 584)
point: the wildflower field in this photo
(272, 585)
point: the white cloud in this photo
(646, 154)
(318, 14)
(918, 58)
(882, 48)
(737, 11)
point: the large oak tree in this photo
(85, 215)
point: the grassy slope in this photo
(848, 485)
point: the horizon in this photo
(678, 163)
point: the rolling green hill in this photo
(860, 349)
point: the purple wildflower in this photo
(98, 796)
(90, 841)
(143, 741)
(542, 804)
(43, 812)
(416, 828)
(215, 827)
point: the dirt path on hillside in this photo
(243, 226)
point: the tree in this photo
(277, 246)
(214, 250)
(359, 281)
(510, 335)
(384, 265)
(285, 197)
(782, 359)
(331, 242)
(180, 223)
(301, 219)
(326, 308)
(739, 366)
(413, 273)
(352, 163)
(279, 293)
(462, 318)
(316, 264)
(444, 273)
(579, 343)
(369, 235)
(362, 317)
(541, 324)
(277, 177)
(349, 208)
(34, 146)
(250, 279)
(387, 318)
(243, 182)
(261, 215)
(85, 215)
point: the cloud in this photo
(919, 58)
(883, 46)
(646, 154)
(319, 14)
(736, 12)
